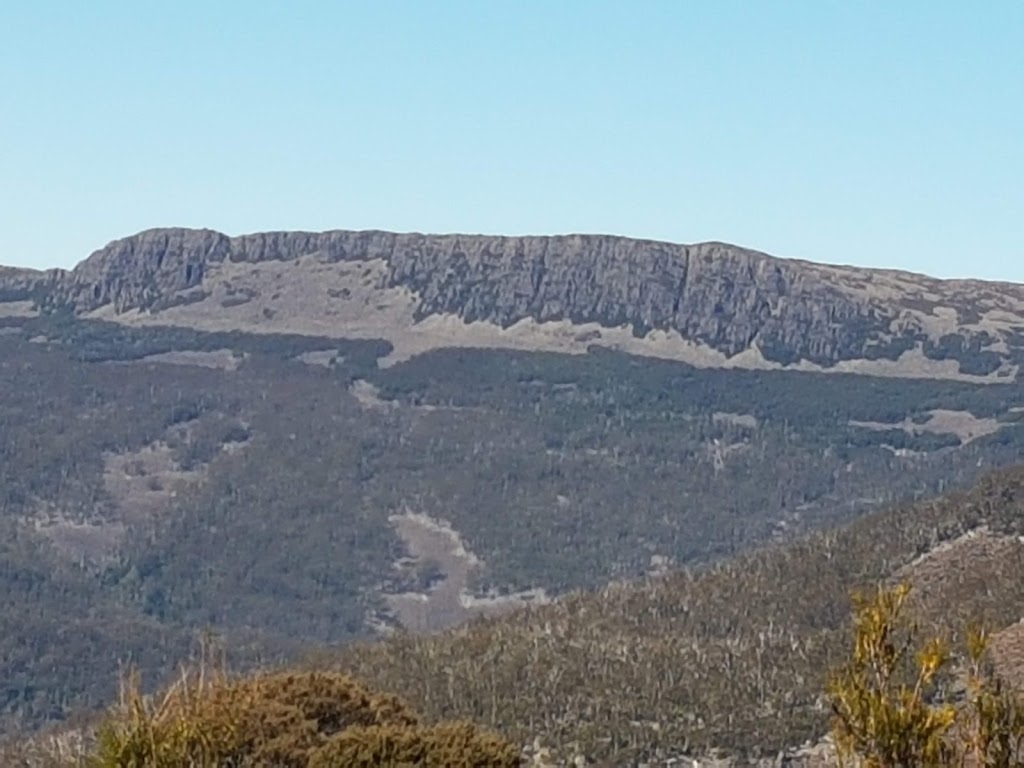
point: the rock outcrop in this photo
(25, 284)
(723, 297)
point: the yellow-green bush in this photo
(282, 720)
(890, 711)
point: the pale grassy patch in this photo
(351, 300)
(18, 309)
(449, 602)
(964, 424)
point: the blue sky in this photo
(874, 133)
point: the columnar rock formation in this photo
(722, 297)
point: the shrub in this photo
(283, 720)
(890, 712)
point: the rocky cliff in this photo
(18, 285)
(713, 296)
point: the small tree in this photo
(888, 709)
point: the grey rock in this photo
(25, 284)
(724, 296)
(135, 272)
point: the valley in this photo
(620, 530)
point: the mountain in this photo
(300, 440)
(709, 304)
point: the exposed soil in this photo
(449, 601)
(964, 424)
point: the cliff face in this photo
(137, 271)
(25, 284)
(723, 297)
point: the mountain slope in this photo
(299, 440)
(733, 657)
(708, 304)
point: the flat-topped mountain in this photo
(709, 304)
(301, 440)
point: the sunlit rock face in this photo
(735, 304)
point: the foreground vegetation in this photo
(895, 700)
(899, 700)
(297, 720)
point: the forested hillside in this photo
(282, 490)
(732, 659)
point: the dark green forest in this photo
(559, 472)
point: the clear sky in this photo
(883, 133)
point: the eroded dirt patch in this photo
(964, 424)
(437, 550)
